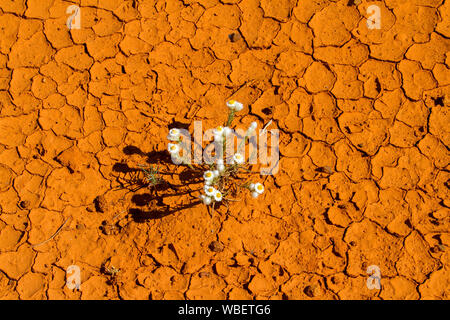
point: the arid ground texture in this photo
(363, 115)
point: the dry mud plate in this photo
(363, 178)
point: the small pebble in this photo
(24, 204)
(234, 37)
(80, 227)
(216, 246)
(100, 204)
(309, 291)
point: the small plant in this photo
(112, 273)
(151, 175)
(222, 177)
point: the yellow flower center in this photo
(232, 102)
(208, 174)
(259, 187)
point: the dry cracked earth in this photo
(364, 174)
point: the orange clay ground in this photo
(364, 175)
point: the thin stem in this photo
(230, 117)
(224, 146)
(190, 166)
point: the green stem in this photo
(230, 118)
(224, 146)
(189, 165)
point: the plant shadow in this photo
(149, 204)
(141, 216)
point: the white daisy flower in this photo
(218, 196)
(174, 134)
(238, 158)
(216, 173)
(173, 148)
(259, 188)
(208, 175)
(206, 200)
(210, 191)
(227, 131)
(219, 131)
(235, 105)
(252, 186)
(255, 194)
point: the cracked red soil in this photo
(364, 171)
